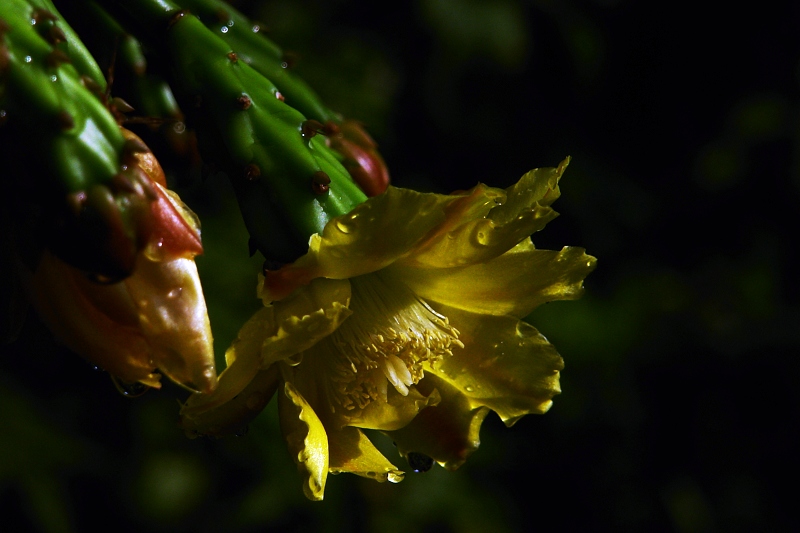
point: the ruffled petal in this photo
(448, 433)
(306, 438)
(351, 451)
(243, 359)
(538, 187)
(513, 284)
(394, 413)
(305, 318)
(376, 234)
(233, 416)
(274, 333)
(505, 365)
(523, 210)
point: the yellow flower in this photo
(404, 317)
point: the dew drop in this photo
(525, 330)
(295, 359)
(174, 293)
(419, 462)
(224, 29)
(395, 476)
(129, 390)
(241, 432)
(469, 388)
(343, 226)
(28, 59)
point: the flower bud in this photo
(154, 319)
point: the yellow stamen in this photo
(389, 337)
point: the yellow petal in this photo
(375, 234)
(513, 284)
(448, 432)
(536, 187)
(244, 361)
(306, 317)
(233, 416)
(306, 438)
(351, 451)
(521, 211)
(394, 413)
(173, 318)
(505, 365)
(274, 333)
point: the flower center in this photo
(388, 338)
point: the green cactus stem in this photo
(63, 152)
(254, 48)
(288, 185)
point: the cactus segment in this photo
(244, 126)
(272, 165)
(251, 46)
(79, 55)
(75, 172)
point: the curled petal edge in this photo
(352, 452)
(306, 439)
(448, 432)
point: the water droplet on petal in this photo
(295, 359)
(469, 388)
(395, 476)
(343, 226)
(526, 330)
(419, 462)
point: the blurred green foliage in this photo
(679, 407)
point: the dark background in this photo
(679, 408)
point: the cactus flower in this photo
(154, 320)
(405, 316)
